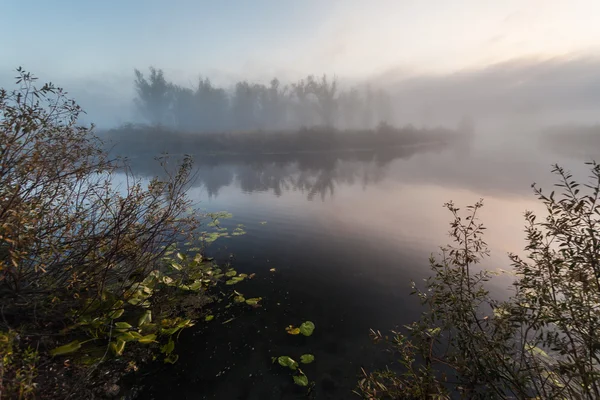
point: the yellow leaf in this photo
(292, 330)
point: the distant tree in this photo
(182, 108)
(350, 109)
(245, 105)
(325, 93)
(300, 95)
(212, 107)
(275, 105)
(154, 96)
(383, 106)
(368, 112)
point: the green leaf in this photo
(301, 380)
(145, 318)
(234, 280)
(239, 299)
(126, 337)
(147, 339)
(231, 273)
(307, 328)
(433, 331)
(66, 349)
(176, 265)
(122, 325)
(536, 350)
(180, 256)
(286, 361)
(307, 358)
(172, 358)
(118, 347)
(253, 301)
(116, 314)
(169, 347)
(209, 318)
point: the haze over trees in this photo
(312, 101)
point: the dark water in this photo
(346, 234)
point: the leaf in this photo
(291, 330)
(307, 358)
(122, 325)
(301, 380)
(126, 337)
(116, 314)
(433, 331)
(272, 270)
(180, 256)
(176, 265)
(286, 361)
(239, 299)
(234, 280)
(231, 273)
(536, 350)
(307, 328)
(66, 349)
(172, 358)
(117, 347)
(145, 318)
(263, 222)
(254, 301)
(209, 318)
(169, 347)
(147, 339)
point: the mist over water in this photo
(334, 132)
(347, 234)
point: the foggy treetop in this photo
(310, 101)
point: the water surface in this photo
(346, 235)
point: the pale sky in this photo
(261, 38)
(91, 47)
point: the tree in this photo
(325, 93)
(245, 105)
(154, 96)
(76, 250)
(212, 107)
(541, 343)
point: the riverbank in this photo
(143, 139)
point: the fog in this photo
(530, 93)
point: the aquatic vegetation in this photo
(300, 378)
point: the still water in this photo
(346, 234)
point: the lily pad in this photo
(254, 301)
(209, 318)
(307, 358)
(286, 361)
(301, 380)
(307, 328)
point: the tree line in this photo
(311, 101)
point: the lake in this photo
(346, 234)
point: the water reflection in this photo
(315, 175)
(500, 172)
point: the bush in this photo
(541, 343)
(86, 266)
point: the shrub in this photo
(541, 343)
(86, 265)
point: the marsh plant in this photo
(542, 343)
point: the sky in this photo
(93, 46)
